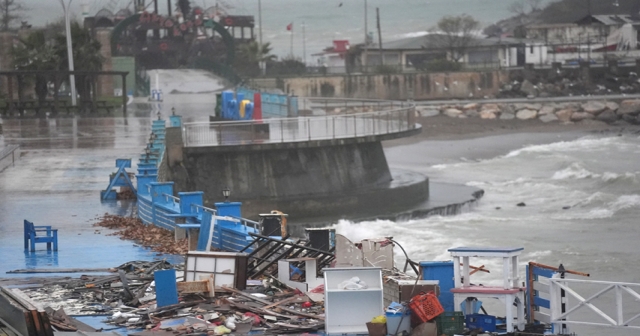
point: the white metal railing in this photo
(342, 118)
(574, 301)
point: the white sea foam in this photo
(574, 171)
(583, 144)
(626, 202)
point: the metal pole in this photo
(72, 78)
(366, 37)
(304, 45)
(260, 21)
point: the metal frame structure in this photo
(614, 319)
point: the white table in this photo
(510, 291)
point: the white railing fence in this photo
(615, 304)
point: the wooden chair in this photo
(31, 236)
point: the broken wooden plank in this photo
(290, 311)
(281, 302)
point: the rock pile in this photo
(628, 111)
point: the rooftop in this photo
(437, 41)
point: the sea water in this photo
(582, 208)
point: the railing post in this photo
(355, 127)
(334, 127)
(619, 307)
(309, 127)
(281, 131)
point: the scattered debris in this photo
(156, 238)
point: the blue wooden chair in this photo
(39, 234)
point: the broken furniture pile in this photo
(95, 295)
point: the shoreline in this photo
(446, 140)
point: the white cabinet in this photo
(348, 311)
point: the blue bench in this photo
(39, 234)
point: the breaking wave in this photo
(584, 144)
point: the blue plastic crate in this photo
(486, 322)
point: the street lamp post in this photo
(72, 78)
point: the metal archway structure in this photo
(119, 30)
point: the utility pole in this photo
(260, 22)
(169, 7)
(366, 37)
(379, 36)
(72, 78)
(304, 44)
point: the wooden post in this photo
(124, 94)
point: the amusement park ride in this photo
(201, 36)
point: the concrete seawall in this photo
(305, 179)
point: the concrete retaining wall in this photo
(401, 86)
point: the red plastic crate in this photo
(425, 307)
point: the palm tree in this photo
(249, 55)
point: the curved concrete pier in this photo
(307, 167)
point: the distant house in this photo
(592, 33)
(334, 57)
(417, 52)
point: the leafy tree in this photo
(37, 54)
(455, 34)
(249, 55)
(10, 12)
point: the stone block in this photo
(564, 115)
(608, 116)
(629, 107)
(545, 118)
(593, 107)
(453, 113)
(526, 114)
(579, 116)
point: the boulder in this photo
(612, 106)
(526, 114)
(429, 113)
(547, 109)
(545, 118)
(471, 106)
(507, 116)
(629, 107)
(579, 116)
(564, 115)
(490, 107)
(488, 114)
(507, 109)
(630, 119)
(528, 88)
(453, 113)
(607, 116)
(471, 113)
(593, 107)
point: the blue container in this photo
(395, 321)
(443, 272)
(480, 321)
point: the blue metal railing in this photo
(158, 206)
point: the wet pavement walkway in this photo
(64, 164)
